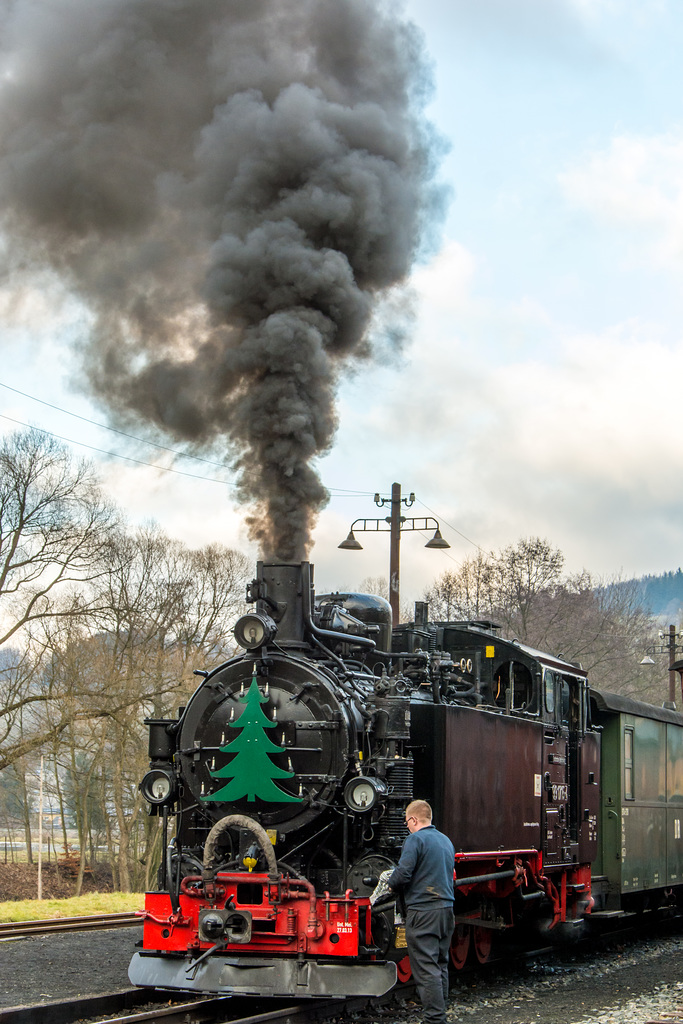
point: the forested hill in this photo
(662, 595)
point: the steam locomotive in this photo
(285, 778)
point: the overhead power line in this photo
(450, 526)
(339, 492)
(115, 455)
(336, 491)
(115, 430)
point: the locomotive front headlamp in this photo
(254, 630)
(158, 786)
(362, 794)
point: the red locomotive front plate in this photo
(284, 916)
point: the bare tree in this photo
(521, 575)
(157, 609)
(463, 593)
(600, 624)
(54, 525)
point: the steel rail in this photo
(210, 1010)
(223, 1011)
(19, 929)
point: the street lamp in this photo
(397, 524)
(667, 643)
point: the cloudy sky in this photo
(538, 392)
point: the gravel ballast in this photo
(629, 985)
(43, 968)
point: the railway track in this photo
(225, 1011)
(221, 1010)
(20, 929)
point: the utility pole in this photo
(396, 525)
(40, 833)
(395, 520)
(667, 642)
(672, 659)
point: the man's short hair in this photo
(419, 809)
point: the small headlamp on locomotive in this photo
(287, 775)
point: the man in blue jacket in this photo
(424, 875)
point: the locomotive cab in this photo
(523, 759)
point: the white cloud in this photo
(636, 184)
(600, 416)
(445, 283)
(174, 500)
(573, 436)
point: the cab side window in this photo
(549, 690)
(513, 687)
(564, 702)
(523, 690)
(571, 707)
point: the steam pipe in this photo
(237, 821)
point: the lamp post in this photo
(667, 643)
(397, 524)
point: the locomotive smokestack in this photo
(229, 189)
(280, 589)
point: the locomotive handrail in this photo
(492, 876)
(493, 854)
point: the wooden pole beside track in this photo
(40, 833)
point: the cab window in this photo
(564, 701)
(571, 703)
(513, 687)
(549, 688)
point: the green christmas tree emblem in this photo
(251, 772)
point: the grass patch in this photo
(75, 906)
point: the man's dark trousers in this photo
(428, 934)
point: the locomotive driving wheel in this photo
(460, 944)
(482, 940)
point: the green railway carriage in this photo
(640, 854)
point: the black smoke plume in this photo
(229, 186)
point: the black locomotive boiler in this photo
(284, 782)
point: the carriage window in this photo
(628, 764)
(549, 679)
